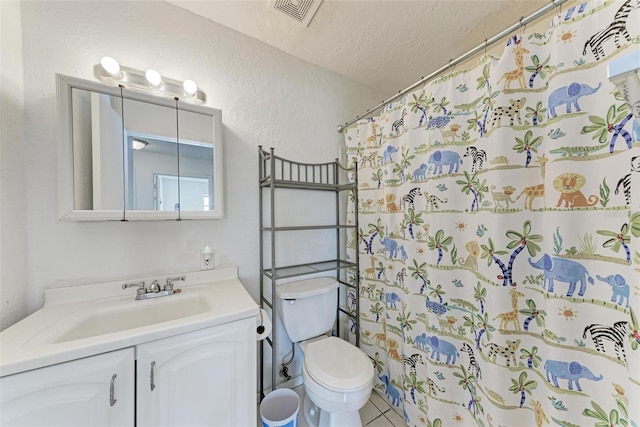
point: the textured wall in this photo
(267, 97)
(13, 277)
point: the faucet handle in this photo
(170, 281)
(141, 290)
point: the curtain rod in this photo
(522, 22)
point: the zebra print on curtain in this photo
(499, 235)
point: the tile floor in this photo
(375, 413)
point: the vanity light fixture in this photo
(111, 66)
(111, 72)
(138, 144)
(190, 87)
(153, 77)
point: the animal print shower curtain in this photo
(499, 234)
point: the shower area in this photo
(498, 231)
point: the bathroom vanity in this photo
(93, 355)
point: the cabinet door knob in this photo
(152, 381)
(112, 399)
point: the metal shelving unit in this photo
(278, 173)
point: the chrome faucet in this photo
(155, 287)
(154, 290)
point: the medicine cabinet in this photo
(127, 155)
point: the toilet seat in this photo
(338, 365)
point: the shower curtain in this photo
(498, 237)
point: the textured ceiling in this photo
(387, 45)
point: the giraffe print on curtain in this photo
(500, 273)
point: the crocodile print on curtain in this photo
(499, 235)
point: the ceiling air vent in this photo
(300, 10)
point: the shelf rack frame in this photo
(275, 173)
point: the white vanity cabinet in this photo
(94, 391)
(205, 377)
(92, 357)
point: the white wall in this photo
(267, 97)
(13, 273)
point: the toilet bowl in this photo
(338, 379)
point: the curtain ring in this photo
(560, 10)
(451, 67)
(522, 27)
(486, 44)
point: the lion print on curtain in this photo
(499, 235)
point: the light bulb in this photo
(138, 144)
(190, 87)
(110, 65)
(153, 77)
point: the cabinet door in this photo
(94, 391)
(206, 377)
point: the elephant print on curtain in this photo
(497, 212)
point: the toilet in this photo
(337, 376)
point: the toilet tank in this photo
(308, 307)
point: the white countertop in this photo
(39, 340)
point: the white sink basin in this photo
(120, 316)
(112, 315)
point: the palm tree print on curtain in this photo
(495, 206)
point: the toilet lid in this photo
(337, 364)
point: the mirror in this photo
(127, 156)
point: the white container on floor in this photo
(280, 408)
